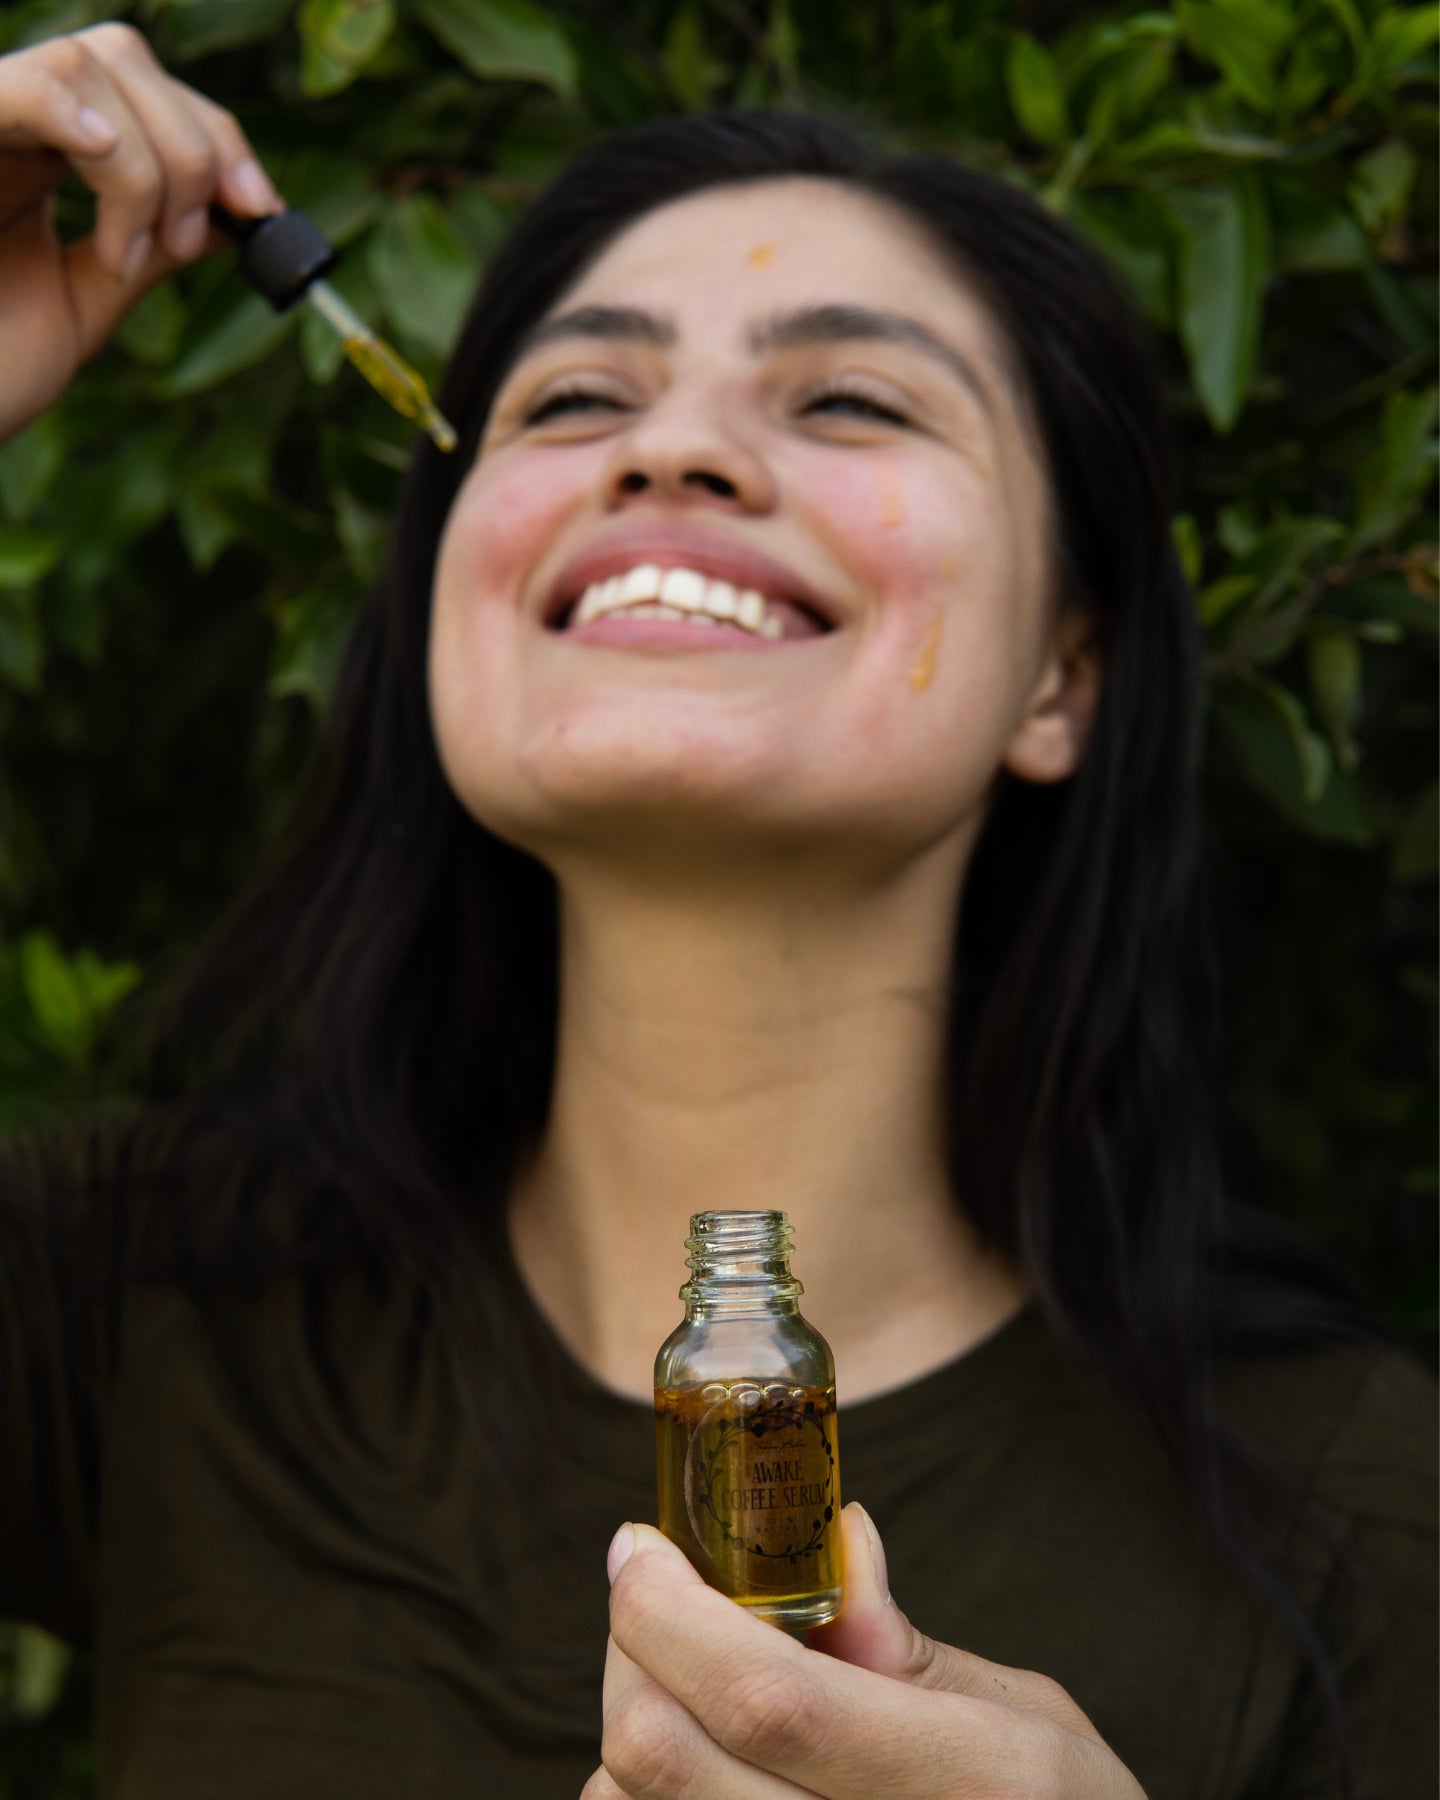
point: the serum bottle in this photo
(746, 1459)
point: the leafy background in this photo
(184, 538)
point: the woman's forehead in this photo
(781, 230)
(736, 253)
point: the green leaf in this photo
(26, 556)
(1223, 596)
(363, 533)
(1037, 92)
(1353, 26)
(1129, 230)
(1389, 603)
(49, 18)
(1408, 308)
(1242, 38)
(1380, 186)
(782, 45)
(29, 463)
(1309, 77)
(1266, 728)
(693, 74)
(1276, 557)
(22, 649)
(1336, 668)
(56, 998)
(1126, 90)
(1402, 33)
(423, 270)
(232, 459)
(40, 1666)
(280, 528)
(1415, 839)
(1185, 534)
(1170, 141)
(1238, 529)
(104, 985)
(504, 39)
(241, 332)
(480, 221)
(337, 191)
(192, 28)
(1313, 233)
(203, 530)
(1223, 266)
(338, 38)
(312, 629)
(151, 332)
(75, 620)
(1391, 477)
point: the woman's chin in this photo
(647, 810)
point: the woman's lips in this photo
(664, 634)
(629, 631)
(670, 544)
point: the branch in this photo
(1273, 631)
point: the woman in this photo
(328, 1375)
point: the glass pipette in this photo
(285, 256)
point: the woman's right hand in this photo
(155, 153)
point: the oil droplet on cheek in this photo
(761, 256)
(922, 670)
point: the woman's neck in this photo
(756, 1048)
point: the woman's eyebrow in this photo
(829, 324)
(838, 324)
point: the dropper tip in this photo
(441, 430)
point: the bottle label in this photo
(760, 1473)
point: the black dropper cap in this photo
(281, 254)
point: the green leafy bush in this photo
(183, 540)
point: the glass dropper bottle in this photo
(285, 256)
(745, 1426)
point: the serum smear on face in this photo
(746, 1459)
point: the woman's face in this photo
(778, 387)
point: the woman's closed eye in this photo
(570, 400)
(845, 399)
(855, 401)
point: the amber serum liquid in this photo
(746, 1457)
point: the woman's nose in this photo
(689, 455)
(636, 481)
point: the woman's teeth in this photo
(682, 595)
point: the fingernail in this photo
(877, 1553)
(137, 255)
(186, 237)
(622, 1548)
(251, 186)
(96, 129)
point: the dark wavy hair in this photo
(373, 1022)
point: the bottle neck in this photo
(740, 1263)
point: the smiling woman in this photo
(762, 778)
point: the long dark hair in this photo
(376, 1014)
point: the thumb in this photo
(100, 297)
(871, 1631)
(874, 1634)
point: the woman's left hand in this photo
(703, 1700)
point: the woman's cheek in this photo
(506, 517)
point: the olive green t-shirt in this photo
(309, 1573)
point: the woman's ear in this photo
(1049, 742)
